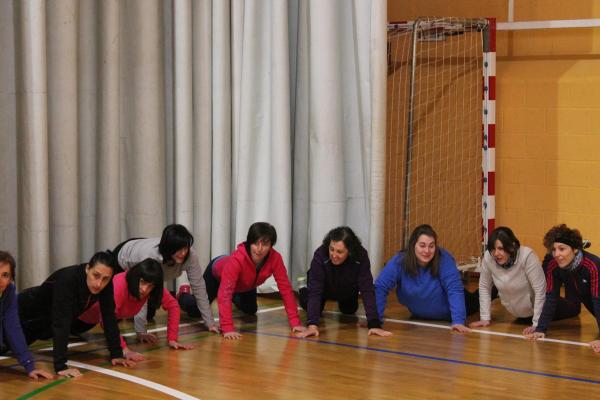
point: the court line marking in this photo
(61, 380)
(49, 385)
(431, 358)
(134, 379)
(161, 329)
(447, 327)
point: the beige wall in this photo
(548, 114)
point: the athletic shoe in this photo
(184, 289)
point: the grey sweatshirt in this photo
(138, 250)
(522, 287)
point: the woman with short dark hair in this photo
(517, 274)
(427, 282)
(340, 270)
(577, 270)
(11, 333)
(234, 278)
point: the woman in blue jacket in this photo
(427, 282)
(11, 334)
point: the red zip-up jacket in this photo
(237, 273)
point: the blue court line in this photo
(432, 358)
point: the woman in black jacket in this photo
(340, 269)
(51, 309)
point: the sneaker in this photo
(301, 281)
(184, 289)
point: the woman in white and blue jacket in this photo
(427, 282)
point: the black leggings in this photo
(41, 328)
(243, 301)
(348, 305)
(472, 300)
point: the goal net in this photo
(436, 131)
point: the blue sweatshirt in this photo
(425, 296)
(11, 333)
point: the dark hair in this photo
(410, 259)
(261, 231)
(150, 271)
(104, 257)
(509, 241)
(563, 234)
(6, 257)
(348, 237)
(174, 238)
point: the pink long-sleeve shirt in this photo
(237, 273)
(127, 306)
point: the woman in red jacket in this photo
(234, 279)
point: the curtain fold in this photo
(8, 139)
(105, 129)
(122, 116)
(338, 177)
(32, 141)
(63, 150)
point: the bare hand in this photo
(214, 328)
(122, 361)
(536, 335)
(298, 329)
(379, 332)
(460, 328)
(529, 330)
(180, 346)
(232, 335)
(40, 373)
(595, 345)
(70, 373)
(147, 338)
(132, 355)
(479, 324)
(312, 330)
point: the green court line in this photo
(62, 380)
(42, 389)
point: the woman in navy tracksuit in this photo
(578, 271)
(11, 334)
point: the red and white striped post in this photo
(489, 130)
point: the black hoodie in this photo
(57, 303)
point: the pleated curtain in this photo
(119, 117)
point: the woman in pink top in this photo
(143, 282)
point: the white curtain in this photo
(118, 117)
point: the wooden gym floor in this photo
(422, 360)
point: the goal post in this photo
(440, 135)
